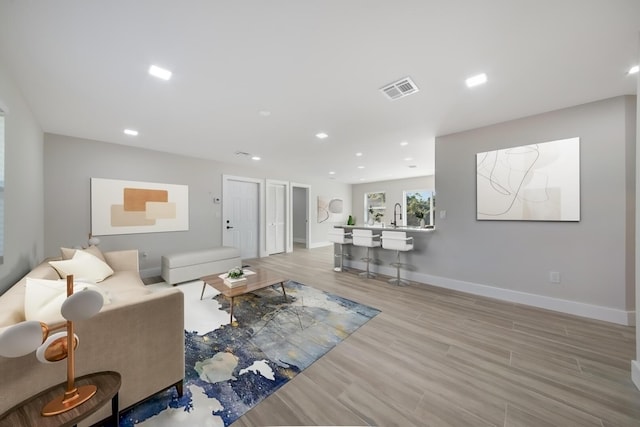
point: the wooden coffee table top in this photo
(261, 279)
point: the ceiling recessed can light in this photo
(160, 73)
(264, 113)
(332, 173)
(404, 143)
(360, 167)
(255, 158)
(358, 154)
(408, 159)
(321, 135)
(131, 132)
(634, 69)
(476, 80)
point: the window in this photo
(374, 206)
(419, 205)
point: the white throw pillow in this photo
(83, 265)
(43, 298)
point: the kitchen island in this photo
(384, 257)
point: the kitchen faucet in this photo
(395, 208)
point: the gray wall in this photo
(71, 162)
(591, 255)
(24, 211)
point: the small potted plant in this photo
(420, 216)
(235, 273)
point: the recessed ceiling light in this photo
(265, 113)
(361, 179)
(131, 132)
(255, 158)
(358, 154)
(321, 135)
(476, 80)
(634, 69)
(160, 73)
(408, 159)
(332, 173)
(360, 167)
(404, 143)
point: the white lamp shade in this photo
(21, 339)
(94, 241)
(82, 305)
(41, 351)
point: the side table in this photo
(27, 413)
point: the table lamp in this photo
(28, 336)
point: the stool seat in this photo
(340, 236)
(367, 239)
(398, 241)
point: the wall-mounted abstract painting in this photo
(537, 182)
(330, 209)
(128, 207)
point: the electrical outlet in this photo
(554, 276)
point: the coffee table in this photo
(260, 280)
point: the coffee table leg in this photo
(231, 315)
(204, 285)
(285, 294)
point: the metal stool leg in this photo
(368, 274)
(398, 281)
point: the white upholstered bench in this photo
(186, 266)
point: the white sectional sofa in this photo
(139, 334)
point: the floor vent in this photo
(400, 89)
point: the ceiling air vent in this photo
(400, 89)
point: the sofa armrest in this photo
(126, 260)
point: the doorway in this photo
(241, 215)
(299, 216)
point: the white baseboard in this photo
(319, 245)
(299, 240)
(621, 317)
(635, 373)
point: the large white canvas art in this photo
(128, 207)
(537, 182)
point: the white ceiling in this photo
(316, 66)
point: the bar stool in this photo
(367, 239)
(397, 241)
(339, 235)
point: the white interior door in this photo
(276, 217)
(241, 215)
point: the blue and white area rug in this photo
(229, 369)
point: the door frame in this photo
(307, 188)
(261, 210)
(287, 210)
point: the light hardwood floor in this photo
(435, 357)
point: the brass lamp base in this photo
(64, 403)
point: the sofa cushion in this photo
(184, 259)
(83, 265)
(43, 298)
(124, 285)
(68, 253)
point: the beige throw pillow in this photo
(83, 265)
(43, 298)
(68, 253)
